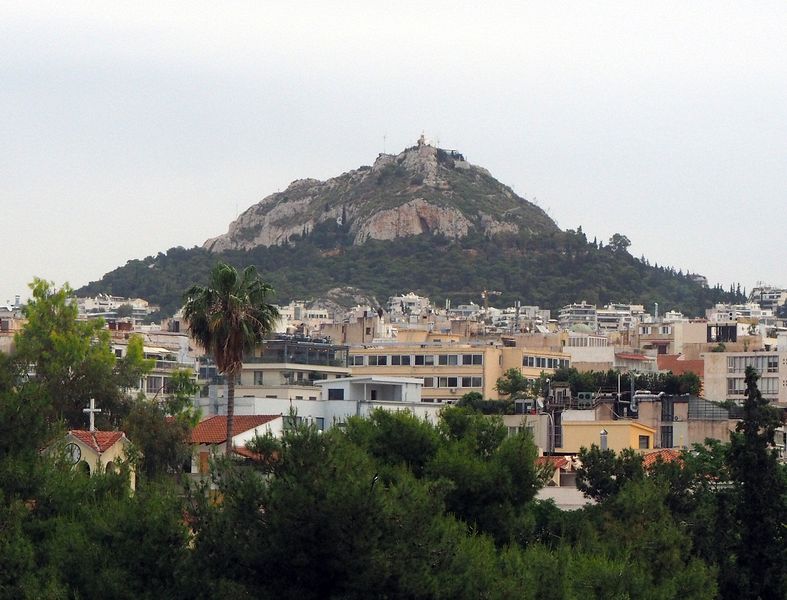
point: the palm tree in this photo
(228, 318)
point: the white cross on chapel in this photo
(92, 410)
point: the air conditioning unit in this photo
(452, 390)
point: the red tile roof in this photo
(665, 455)
(213, 430)
(100, 441)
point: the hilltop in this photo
(424, 220)
(422, 190)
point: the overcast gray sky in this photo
(129, 128)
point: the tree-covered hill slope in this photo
(548, 269)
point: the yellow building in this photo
(620, 434)
(452, 370)
(99, 451)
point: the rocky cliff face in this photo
(423, 189)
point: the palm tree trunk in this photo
(230, 411)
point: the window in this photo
(290, 421)
(424, 360)
(258, 377)
(356, 361)
(153, 385)
(335, 394)
(319, 422)
(396, 360)
(666, 436)
(667, 411)
(644, 442)
(453, 382)
(406, 359)
(447, 359)
(428, 382)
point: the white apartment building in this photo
(578, 314)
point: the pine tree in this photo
(762, 501)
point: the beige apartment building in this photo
(725, 374)
(450, 371)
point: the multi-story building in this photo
(619, 317)
(725, 374)
(111, 308)
(578, 314)
(453, 370)
(733, 312)
(768, 297)
(286, 367)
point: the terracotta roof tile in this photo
(100, 441)
(665, 455)
(213, 430)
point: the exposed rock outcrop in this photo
(422, 190)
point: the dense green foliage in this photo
(594, 381)
(72, 361)
(547, 269)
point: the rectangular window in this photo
(666, 436)
(644, 442)
(419, 360)
(477, 382)
(467, 382)
(356, 361)
(429, 359)
(442, 382)
(667, 409)
(428, 382)
(396, 360)
(467, 359)
(406, 359)
(319, 422)
(453, 382)
(335, 394)
(447, 359)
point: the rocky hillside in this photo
(424, 220)
(423, 189)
